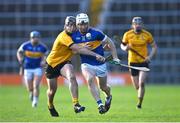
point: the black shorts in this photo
(51, 72)
(136, 72)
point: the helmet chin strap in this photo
(83, 32)
(137, 30)
(66, 30)
(35, 43)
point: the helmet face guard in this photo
(35, 34)
(82, 22)
(137, 24)
(70, 20)
(137, 20)
(35, 37)
(70, 24)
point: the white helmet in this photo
(82, 18)
(70, 19)
(137, 20)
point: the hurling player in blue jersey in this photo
(31, 55)
(91, 68)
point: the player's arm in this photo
(67, 41)
(82, 50)
(124, 46)
(43, 61)
(124, 43)
(45, 54)
(153, 51)
(112, 48)
(20, 55)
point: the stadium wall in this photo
(113, 79)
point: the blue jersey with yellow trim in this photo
(93, 39)
(32, 54)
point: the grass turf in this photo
(161, 103)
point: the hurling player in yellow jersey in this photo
(58, 63)
(138, 39)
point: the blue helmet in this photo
(35, 34)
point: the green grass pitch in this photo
(161, 103)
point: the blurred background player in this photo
(91, 68)
(59, 64)
(31, 56)
(138, 39)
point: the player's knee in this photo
(72, 80)
(90, 81)
(30, 89)
(51, 92)
(36, 86)
(137, 87)
(71, 77)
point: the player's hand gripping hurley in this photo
(110, 59)
(117, 38)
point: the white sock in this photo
(100, 104)
(35, 99)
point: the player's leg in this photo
(103, 86)
(141, 90)
(67, 71)
(28, 79)
(92, 86)
(38, 73)
(135, 81)
(51, 77)
(101, 73)
(89, 74)
(107, 90)
(52, 87)
(135, 76)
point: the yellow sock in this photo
(50, 105)
(75, 101)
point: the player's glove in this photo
(115, 61)
(148, 59)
